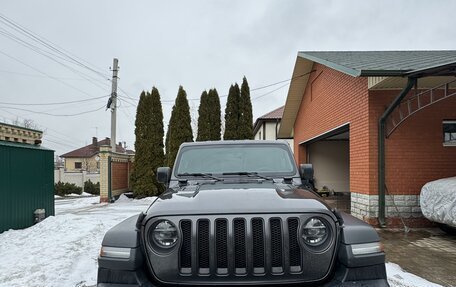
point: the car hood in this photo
(237, 198)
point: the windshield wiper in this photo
(200, 174)
(248, 173)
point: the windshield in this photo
(226, 159)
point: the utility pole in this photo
(114, 104)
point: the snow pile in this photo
(438, 201)
(63, 249)
(399, 278)
(65, 206)
(122, 198)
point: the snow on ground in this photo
(63, 249)
(400, 278)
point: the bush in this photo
(92, 188)
(66, 188)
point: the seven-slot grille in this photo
(240, 246)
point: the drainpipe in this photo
(381, 149)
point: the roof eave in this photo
(79, 156)
(383, 73)
(335, 66)
(257, 125)
(448, 69)
(296, 90)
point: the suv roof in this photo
(233, 142)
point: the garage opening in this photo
(330, 156)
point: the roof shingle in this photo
(275, 114)
(381, 63)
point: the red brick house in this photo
(339, 102)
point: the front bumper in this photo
(369, 276)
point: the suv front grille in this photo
(186, 248)
(243, 250)
(258, 243)
(295, 250)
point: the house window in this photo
(449, 133)
(78, 165)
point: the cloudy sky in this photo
(196, 44)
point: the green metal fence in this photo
(26, 183)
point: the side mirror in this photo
(307, 175)
(163, 175)
(307, 172)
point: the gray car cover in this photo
(438, 201)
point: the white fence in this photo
(78, 178)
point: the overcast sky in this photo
(196, 44)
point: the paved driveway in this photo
(428, 253)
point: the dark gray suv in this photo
(240, 213)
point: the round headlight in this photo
(314, 232)
(164, 234)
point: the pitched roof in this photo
(91, 149)
(272, 115)
(381, 63)
(275, 114)
(389, 67)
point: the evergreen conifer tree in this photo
(179, 128)
(148, 145)
(156, 136)
(204, 124)
(232, 114)
(214, 115)
(245, 112)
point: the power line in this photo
(54, 115)
(45, 129)
(52, 104)
(130, 104)
(270, 92)
(28, 33)
(62, 141)
(280, 82)
(50, 56)
(226, 95)
(39, 76)
(39, 71)
(59, 143)
(66, 140)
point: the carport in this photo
(411, 101)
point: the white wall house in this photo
(267, 126)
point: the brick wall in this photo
(332, 99)
(414, 152)
(119, 176)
